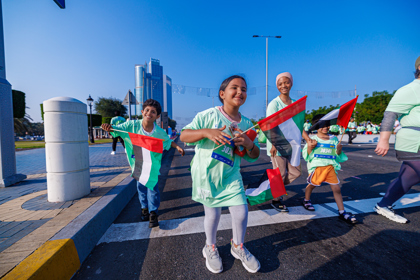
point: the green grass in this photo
(41, 144)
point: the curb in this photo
(62, 255)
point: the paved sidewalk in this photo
(28, 220)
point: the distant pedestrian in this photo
(289, 173)
(216, 177)
(352, 130)
(149, 198)
(323, 157)
(405, 104)
(306, 126)
(116, 121)
(369, 128)
(335, 129)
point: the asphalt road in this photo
(312, 248)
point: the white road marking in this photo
(136, 231)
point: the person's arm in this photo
(307, 138)
(386, 129)
(216, 135)
(339, 148)
(180, 150)
(311, 145)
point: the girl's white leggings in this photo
(239, 216)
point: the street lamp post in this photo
(266, 65)
(90, 101)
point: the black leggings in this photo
(352, 135)
(114, 142)
(409, 176)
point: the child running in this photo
(323, 158)
(149, 199)
(217, 181)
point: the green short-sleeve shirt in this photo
(406, 101)
(274, 106)
(216, 184)
(135, 126)
(314, 162)
(352, 126)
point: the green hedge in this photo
(42, 111)
(19, 103)
(106, 119)
(96, 119)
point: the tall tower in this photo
(156, 72)
(167, 95)
(140, 86)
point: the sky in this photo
(91, 48)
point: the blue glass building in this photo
(149, 83)
(167, 95)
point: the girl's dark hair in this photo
(417, 74)
(226, 82)
(153, 103)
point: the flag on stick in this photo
(147, 152)
(269, 187)
(284, 130)
(340, 116)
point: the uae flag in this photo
(284, 130)
(269, 187)
(147, 152)
(340, 116)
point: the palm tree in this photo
(23, 125)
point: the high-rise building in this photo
(140, 72)
(149, 83)
(167, 95)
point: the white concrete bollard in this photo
(66, 149)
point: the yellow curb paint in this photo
(56, 259)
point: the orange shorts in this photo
(323, 174)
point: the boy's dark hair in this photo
(153, 103)
(226, 82)
(317, 123)
(316, 118)
(417, 73)
(117, 113)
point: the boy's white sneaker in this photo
(113, 153)
(390, 214)
(249, 261)
(213, 260)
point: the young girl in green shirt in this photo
(217, 181)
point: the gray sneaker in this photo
(213, 260)
(248, 260)
(390, 214)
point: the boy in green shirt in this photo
(116, 121)
(149, 199)
(323, 158)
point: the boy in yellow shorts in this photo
(323, 158)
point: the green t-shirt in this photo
(318, 158)
(274, 106)
(117, 120)
(306, 126)
(135, 126)
(214, 183)
(352, 126)
(406, 101)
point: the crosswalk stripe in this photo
(137, 231)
